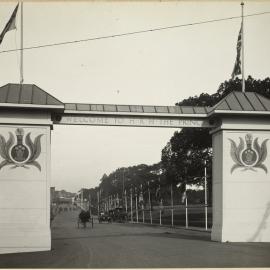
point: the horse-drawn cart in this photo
(84, 218)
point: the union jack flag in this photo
(141, 195)
(158, 193)
(11, 24)
(237, 65)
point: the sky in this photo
(153, 68)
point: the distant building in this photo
(61, 196)
(82, 198)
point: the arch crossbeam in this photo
(132, 115)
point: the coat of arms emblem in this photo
(250, 156)
(20, 153)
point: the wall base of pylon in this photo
(241, 183)
(24, 239)
(25, 186)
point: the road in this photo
(136, 246)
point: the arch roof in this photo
(32, 96)
(242, 102)
(27, 96)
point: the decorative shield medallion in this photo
(250, 155)
(19, 153)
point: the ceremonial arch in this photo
(240, 128)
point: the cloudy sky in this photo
(153, 68)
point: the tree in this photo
(185, 152)
(182, 159)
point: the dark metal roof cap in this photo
(27, 96)
(242, 102)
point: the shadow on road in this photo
(163, 234)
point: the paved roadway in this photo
(136, 246)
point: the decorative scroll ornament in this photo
(20, 154)
(250, 157)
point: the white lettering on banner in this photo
(131, 121)
(151, 122)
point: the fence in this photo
(189, 209)
(179, 215)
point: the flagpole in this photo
(242, 34)
(142, 205)
(21, 67)
(150, 206)
(172, 203)
(131, 199)
(136, 206)
(90, 204)
(126, 201)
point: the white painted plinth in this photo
(241, 198)
(25, 196)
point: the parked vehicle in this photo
(118, 215)
(103, 217)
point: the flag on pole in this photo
(158, 193)
(237, 65)
(141, 195)
(11, 24)
(184, 195)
